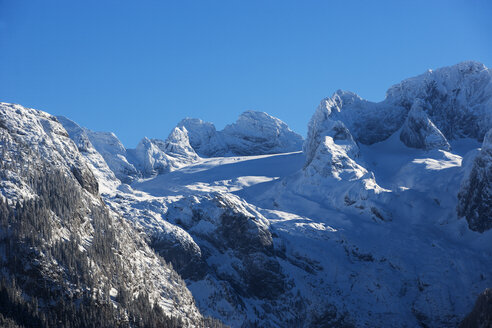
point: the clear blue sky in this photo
(137, 67)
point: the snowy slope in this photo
(426, 252)
(377, 194)
(105, 176)
(114, 153)
(382, 220)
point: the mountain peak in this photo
(253, 133)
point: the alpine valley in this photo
(381, 217)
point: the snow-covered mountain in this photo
(154, 156)
(60, 243)
(383, 219)
(254, 133)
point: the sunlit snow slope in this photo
(383, 220)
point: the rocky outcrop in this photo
(331, 168)
(154, 156)
(368, 122)
(227, 224)
(86, 179)
(481, 315)
(475, 195)
(418, 131)
(178, 247)
(459, 98)
(178, 145)
(203, 137)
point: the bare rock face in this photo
(177, 247)
(481, 315)
(475, 195)
(418, 131)
(86, 179)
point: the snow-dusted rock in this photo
(224, 220)
(254, 133)
(47, 136)
(203, 137)
(257, 133)
(114, 153)
(331, 172)
(458, 101)
(154, 156)
(459, 98)
(322, 125)
(178, 145)
(148, 158)
(367, 121)
(238, 252)
(418, 131)
(312, 239)
(106, 178)
(475, 195)
(448, 103)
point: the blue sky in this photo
(137, 67)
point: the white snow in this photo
(361, 220)
(254, 133)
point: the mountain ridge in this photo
(382, 220)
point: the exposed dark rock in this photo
(418, 131)
(481, 315)
(263, 276)
(475, 196)
(185, 258)
(86, 179)
(330, 317)
(240, 233)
